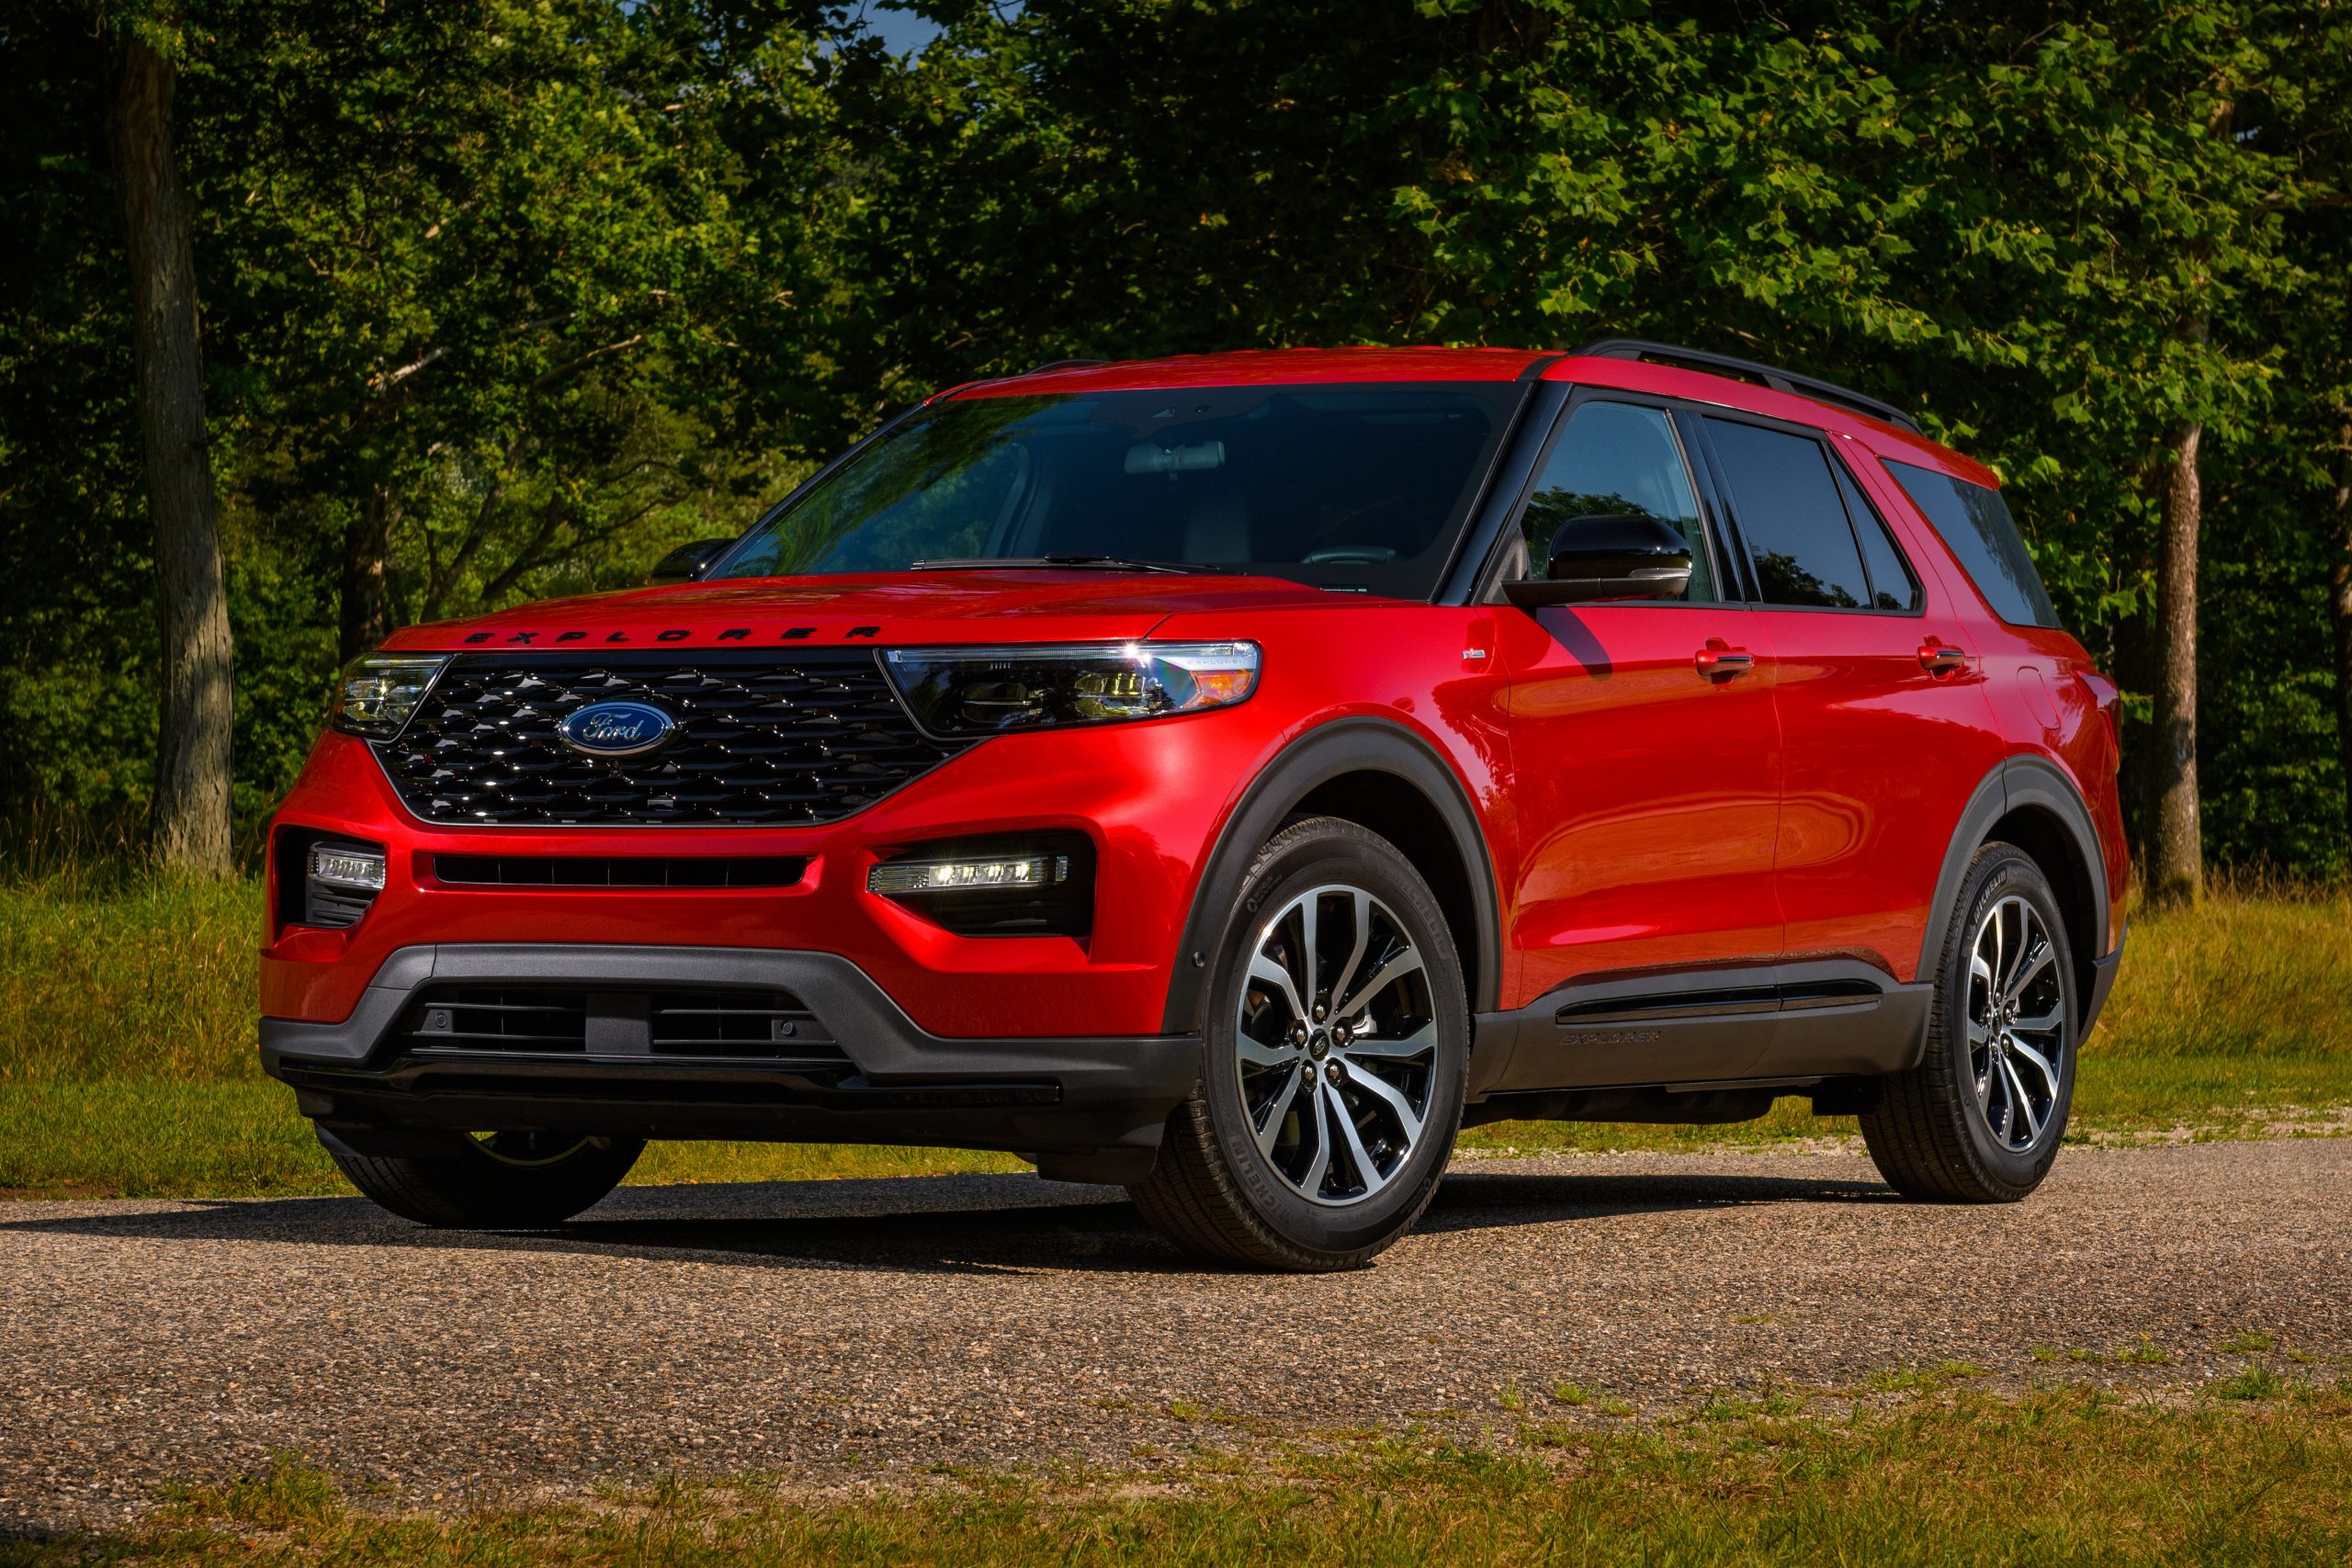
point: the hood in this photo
(898, 609)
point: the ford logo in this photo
(615, 729)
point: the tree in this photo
(190, 812)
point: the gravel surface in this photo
(838, 1332)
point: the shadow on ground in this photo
(954, 1224)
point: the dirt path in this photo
(838, 1330)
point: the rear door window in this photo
(1892, 586)
(1792, 519)
(1976, 521)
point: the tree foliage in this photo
(504, 297)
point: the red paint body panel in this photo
(1648, 793)
(1637, 815)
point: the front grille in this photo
(619, 871)
(761, 738)
(769, 1027)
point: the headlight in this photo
(380, 690)
(984, 691)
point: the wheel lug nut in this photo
(1321, 1012)
(1331, 1070)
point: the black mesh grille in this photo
(808, 738)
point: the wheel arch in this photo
(1381, 776)
(2028, 802)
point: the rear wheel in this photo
(1979, 1118)
(1337, 1042)
(491, 1180)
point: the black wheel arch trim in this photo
(2021, 782)
(1341, 747)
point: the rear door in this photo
(1644, 745)
(1883, 716)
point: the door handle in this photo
(1721, 662)
(1941, 658)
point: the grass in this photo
(1962, 1478)
(127, 1062)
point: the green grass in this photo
(127, 1062)
(2055, 1476)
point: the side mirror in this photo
(1595, 559)
(687, 562)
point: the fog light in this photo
(337, 867)
(897, 878)
(1039, 884)
(343, 880)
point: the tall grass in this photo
(2255, 970)
(145, 977)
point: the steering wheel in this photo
(1348, 555)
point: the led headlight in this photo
(984, 691)
(379, 692)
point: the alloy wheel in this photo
(2017, 1024)
(1338, 1040)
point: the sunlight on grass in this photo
(2259, 1473)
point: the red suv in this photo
(1225, 776)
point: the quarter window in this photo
(1974, 521)
(1617, 460)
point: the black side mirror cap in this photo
(687, 562)
(1596, 559)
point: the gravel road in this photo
(842, 1330)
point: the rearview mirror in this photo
(1595, 559)
(687, 562)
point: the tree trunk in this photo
(366, 574)
(2339, 609)
(2176, 872)
(191, 817)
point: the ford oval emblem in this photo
(615, 729)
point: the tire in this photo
(495, 1181)
(1981, 1118)
(1267, 1167)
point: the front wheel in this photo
(1337, 1045)
(1978, 1119)
(491, 1180)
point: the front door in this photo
(1644, 748)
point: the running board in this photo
(1784, 1022)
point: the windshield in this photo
(1361, 487)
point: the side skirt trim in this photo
(1771, 1023)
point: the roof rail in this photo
(1063, 364)
(1772, 375)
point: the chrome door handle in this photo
(1721, 662)
(1941, 658)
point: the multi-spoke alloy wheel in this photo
(2016, 1023)
(1337, 1051)
(1979, 1118)
(1336, 1037)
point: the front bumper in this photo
(864, 1072)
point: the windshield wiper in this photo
(1101, 563)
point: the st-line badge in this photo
(615, 729)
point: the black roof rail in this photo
(1772, 375)
(1063, 364)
